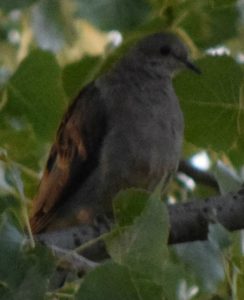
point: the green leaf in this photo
(240, 279)
(24, 273)
(176, 281)
(236, 152)
(15, 4)
(211, 103)
(50, 25)
(141, 267)
(205, 261)
(204, 21)
(160, 4)
(114, 14)
(228, 179)
(113, 281)
(78, 74)
(35, 94)
(28, 152)
(218, 236)
(131, 242)
(128, 205)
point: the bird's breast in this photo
(145, 131)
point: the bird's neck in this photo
(141, 70)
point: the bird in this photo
(124, 129)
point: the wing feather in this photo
(73, 156)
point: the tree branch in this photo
(73, 237)
(188, 222)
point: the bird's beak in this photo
(192, 67)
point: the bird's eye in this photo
(165, 50)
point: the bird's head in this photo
(164, 51)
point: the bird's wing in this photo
(74, 155)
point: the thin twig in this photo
(28, 171)
(90, 243)
(60, 295)
(74, 260)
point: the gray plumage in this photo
(131, 126)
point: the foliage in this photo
(49, 51)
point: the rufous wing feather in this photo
(73, 156)
(56, 175)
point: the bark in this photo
(188, 222)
